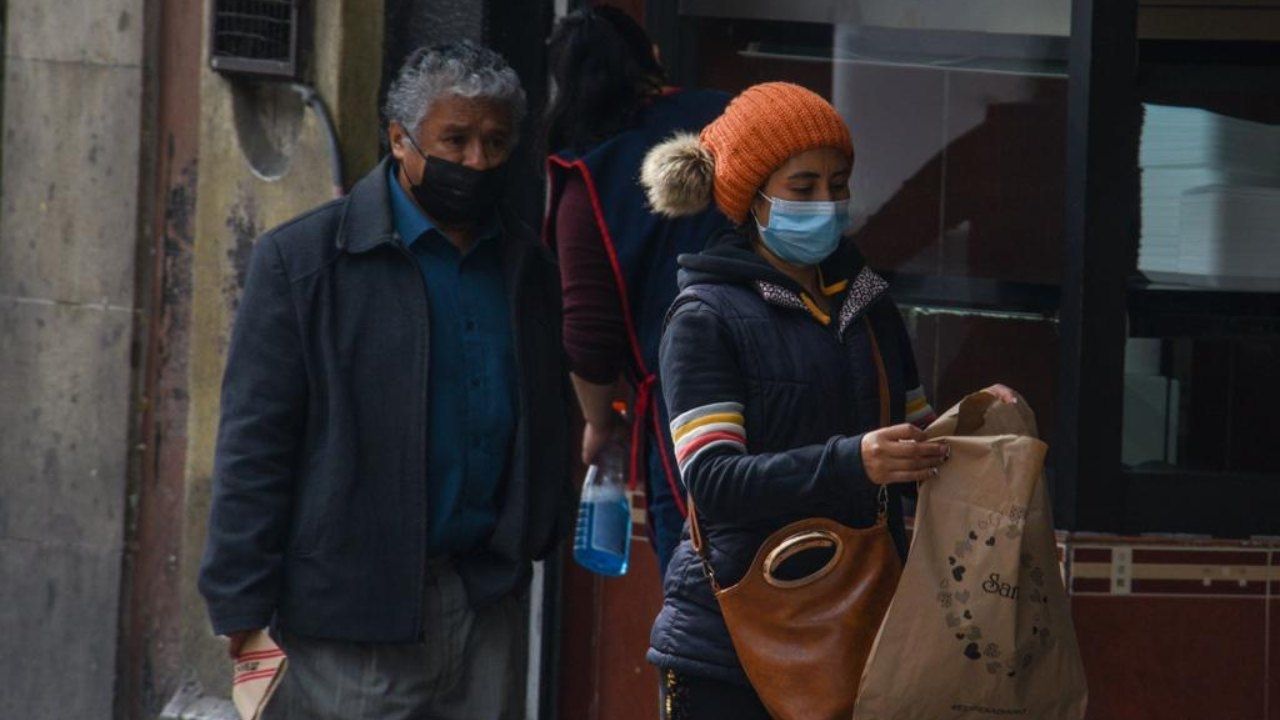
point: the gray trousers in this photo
(471, 666)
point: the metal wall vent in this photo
(255, 37)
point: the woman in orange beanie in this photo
(782, 360)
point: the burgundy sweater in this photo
(595, 332)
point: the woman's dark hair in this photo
(604, 69)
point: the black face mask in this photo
(453, 193)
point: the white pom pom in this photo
(678, 175)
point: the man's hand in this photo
(900, 454)
(236, 640)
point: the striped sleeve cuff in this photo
(716, 425)
(919, 412)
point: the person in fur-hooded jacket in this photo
(768, 366)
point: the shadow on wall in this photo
(268, 119)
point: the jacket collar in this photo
(864, 289)
(367, 221)
(730, 259)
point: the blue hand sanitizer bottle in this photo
(602, 539)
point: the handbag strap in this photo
(695, 533)
(695, 536)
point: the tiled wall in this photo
(1177, 629)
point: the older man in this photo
(393, 448)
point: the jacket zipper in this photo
(424, 353)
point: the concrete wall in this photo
(85, 153)
(68, 242)
(240, 125)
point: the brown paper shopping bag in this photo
(258, 671)
(979, 627)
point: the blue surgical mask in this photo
(804, 232)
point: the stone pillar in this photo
(69, 239)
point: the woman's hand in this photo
(1003, 393)
(595, 437)
(901, 453)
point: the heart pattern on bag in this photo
(964, 626)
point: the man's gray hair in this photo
(463, 69)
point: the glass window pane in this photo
(1200, 390)
(958, 112)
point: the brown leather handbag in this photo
(803, 641)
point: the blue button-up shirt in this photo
(471, 378)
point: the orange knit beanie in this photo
(759, 130)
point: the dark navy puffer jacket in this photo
(769, 399)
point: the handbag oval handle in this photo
(796, 544)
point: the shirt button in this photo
(475, 382)
(471, 326)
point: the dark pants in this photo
(694, 698)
